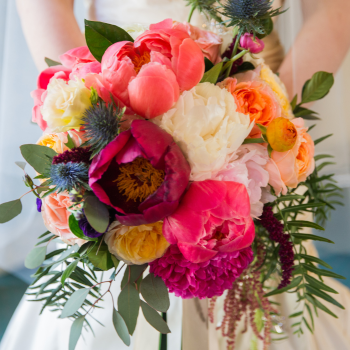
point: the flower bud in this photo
(28, 181)
(248, 42)
(281, 134)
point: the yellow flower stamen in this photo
(138, 179)
(139, 61)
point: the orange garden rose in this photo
(255, 99)
(294, 166)
(281, 134)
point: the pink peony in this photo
(39, 95)
(248, 42)
(148, 75)
(202, 280)
(55, 215)
(213, 216)
(81, 61)
(142, 174)
(209, 42)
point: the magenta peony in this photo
(213, 217)
(203, 280)
(142, 174)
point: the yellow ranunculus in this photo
(136, 244)
(281, 134)
(65, 104)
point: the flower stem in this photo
(193, 7)
(232, 60)
(234, 51)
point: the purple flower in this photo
(203, 280)
(39, 204)
(75, 155)
(87, 229)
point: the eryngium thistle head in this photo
(69, 176)
(249, 15)
(207, 7)
(74, 155)
(101, 124)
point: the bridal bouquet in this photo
(176, 159)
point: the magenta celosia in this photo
(203, 280)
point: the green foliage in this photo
(100, 257)
(206, 7)
(10, 210)
(39, 157)
(35, 258)
(212, 75)
(70, 144)
(76, 230)
(154, 319)
(132, 274)
(75, 332)
(96, 213)
(100, 36)
(120, 327)
(51, 63)
(317, 87)
(75, 302)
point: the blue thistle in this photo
(69, 176)
(206, 7)
(251, 16)
(102, 125)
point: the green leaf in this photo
(75, 332)
(51, 62)
(77, 231)
(100, 257)
(35, 258)
(22, 165)
(307, 325)
(68, 271)
(300, 207)
(39, 157)
(296, 314)
(293, 103)
(100, 36)
(322, 156)
(10, 210)
(318, 284)
(301, 112)
(317, 87)
(319, 305)
(314, 291)
(290, 197)
(134, 272)
(305, 236)
(213, 74)
(70, 144)
(310, 314)
(292, 285)
(316, 142)
(75, 302)
(154, 319)
(96, 213)
(324, 164)
(44, 234)
(155, 292)
(301, 223)
(120, 327)
(312, 259)
(128, 306)
(254, 140)
(321, 272)
(208, 64)
(244, 67)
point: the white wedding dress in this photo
(29, 331)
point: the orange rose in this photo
(255, 99)
(295, 165)
(55, 215)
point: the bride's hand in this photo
(50, 28)
(322, 43)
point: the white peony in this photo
(135, 29)
(206, 126)
(65, 104)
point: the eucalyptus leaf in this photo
(321, 272)
(213, 74)
(22, 165)
(317, 87)
(100, 257)
(120, 327)
(154, 319)
(129, 305)
(35, 258)
(132, 273)
(77, 231)
(305, 236)
(10, 210)
(39, 157)
(51, 63)
(96, 213)
(155, 292)
(293, 284)
(100, 36)
(75, 302)
(68, 271)
(75, 332)
(301, 223)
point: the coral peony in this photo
(207, 127)
(56, 214)
(213, 216)
(136, 244)
(294, 166)
(148, 75)
(255, 99)
(142, 174)
(202, 280)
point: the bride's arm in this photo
(49, 27)
(322, 43)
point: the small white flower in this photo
(135, 29)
